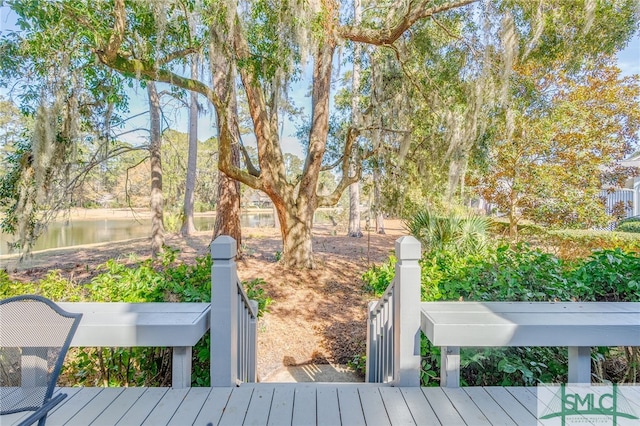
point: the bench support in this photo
(450, 366)
(579, 364)
(181, 367)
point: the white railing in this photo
(380, 338)
(247, 329)
(393, 329)
(233, 320)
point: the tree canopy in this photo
(436, 77)
(566, 138)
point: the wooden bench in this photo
(176, 325)
(579, 326)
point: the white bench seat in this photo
(578, 326)
(176, 325)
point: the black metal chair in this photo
(35, 334)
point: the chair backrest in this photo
(35, 334)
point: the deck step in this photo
(325, 373)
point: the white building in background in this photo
(629, 195)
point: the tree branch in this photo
(247, 160)
(390, 33)
(117, 34)
(332, 165)
(177, 54)
(334, 197)
(137, 68)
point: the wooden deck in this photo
(294, 404)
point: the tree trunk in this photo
(354, 211)
(297, 247)
(276, 219)
(228, 209)
(188, 225)
(354, 189)
(228, 204)
(513, 219)
(157, 225)
(377, 199)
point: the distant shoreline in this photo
(129, 213)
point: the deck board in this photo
(119, 406)
(295, 404)
(236, 409)
(213, 407)
(469, 411)
(259, 406)
(328, 406)
(526, 397)
(190, 407)
(16, 418)
(373, 406)
(419, 406)
(446, 412)
(281, 406)
(394, 403)
(95, 407)
(512, 406)
(74, 404)
(489, 407)
(304, 406)
(142, 407)
(166, 408)
(350, 407)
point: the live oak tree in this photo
(263, 42)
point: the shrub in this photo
(461, 233)
(377, 278)
(146, 281)
(516, 273)
(631, 224)
(577, 244)
(607, 275)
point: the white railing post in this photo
(224, 313)
(253, 344)
(371, 366)
(406, 313)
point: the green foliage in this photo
(165, 280)
(10, 288)
(119, 283)
(358, 363)
(575, 244)
(570, 244)
(629, 225)
(461, 233)
(377, 278)
(515, 366)
(56, 287)
(507, 273)
(255, 292)
(562, 141)
(515, 273)
(610, 275)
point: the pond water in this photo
(90, 231)
(79, 232)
